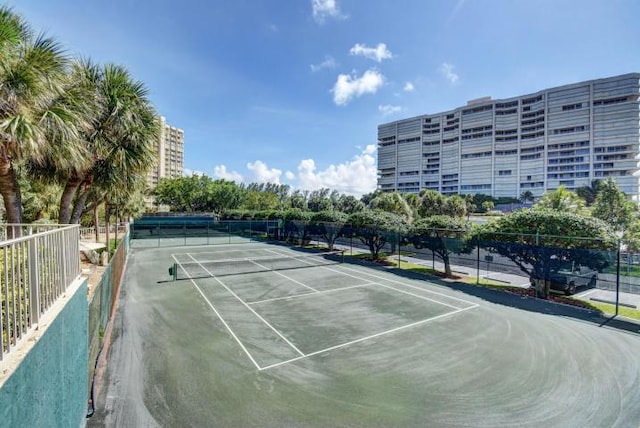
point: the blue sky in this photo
(292, 91)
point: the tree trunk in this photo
(96, 221)
(69, 192)
(447, 265)
(80, 203)
(10, 190)
(107, 212)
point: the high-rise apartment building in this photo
(170, 152)
(567, 135)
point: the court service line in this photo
(386, 286)
(281, 274)
(251, 309)
(394, 281)
(219, 316)
(293, 296)
(362, 339)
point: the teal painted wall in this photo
(49, 388)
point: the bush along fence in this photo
(102, 304)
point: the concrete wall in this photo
(49, 387)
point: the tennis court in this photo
(262, 335)
(317, 303)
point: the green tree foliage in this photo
(119, 136)
(348, 204)
(612, 207)
(40, 200)
(329, 225)
(376, 228)
(299, 200)
(433, 203)
(526, 197)
(560, 199)
(280, 194)
(487, 206)
(256, 200)
(393, 202)
(319, 200)
(36, 118)
(533, 239)
(368, 197)
(199, 193)
(589, 193)
(442, 235)
(295, 224)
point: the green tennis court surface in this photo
(323, 343)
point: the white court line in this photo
(293, 296)
(392, 280)
(391, 288)
(220, 317)
(282, 275)
(251, 309)
(393, 330)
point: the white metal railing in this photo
(89, 233)
(35, 269)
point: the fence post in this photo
(618, 278)
(398, 244)
(478, 264)
(34, 281)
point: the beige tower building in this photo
(170, 151)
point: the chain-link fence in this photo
(589, 269)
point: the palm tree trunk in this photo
(107, 212)
(10, 190)
(96, 222)
(80, 203)
(69, 192)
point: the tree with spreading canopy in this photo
(442, 235)
(536, 239)
(329, 225)
(376, 228)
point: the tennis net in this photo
(239, 266)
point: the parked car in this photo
(568, 276)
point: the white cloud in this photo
(447, 71)
(387, 110)
(356, 177)
(378, 53)
(348, 86)
(289, 175)
(328, 62)
(408, 87)
(323, 9)
(263, 174)
(220, 171)
(186, 172)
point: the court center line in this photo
(293, 296)
(251, 309)
(394, 281)
(220, 317)
(393, 330)
(281, 274)
(389, 287)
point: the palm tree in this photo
(120, 137)
(37, 119)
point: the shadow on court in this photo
(509, 299)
